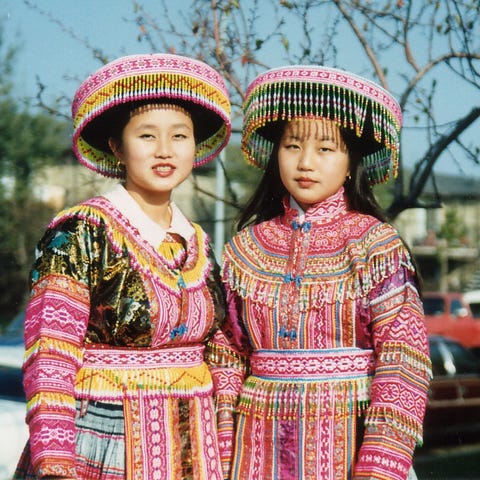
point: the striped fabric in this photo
(115, 373)
(338, 348)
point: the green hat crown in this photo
(308, 91)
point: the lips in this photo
(305, 182)
(163, 169)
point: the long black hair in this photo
(266, 202)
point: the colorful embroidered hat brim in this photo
(352, 102)
(164, 78)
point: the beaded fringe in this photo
(287, 400)
(399, 353)
(399, 420)
(49, 346)
(92, 212)
(270, 102)
(316, 290)
(170, 85)
(117, 383)
(224, 357)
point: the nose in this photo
(305, 160)
(163, 148)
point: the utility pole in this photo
(219, 220)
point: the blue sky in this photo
(62, 62)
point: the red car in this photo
(449, 315)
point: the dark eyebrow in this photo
(292, 136)
(326, 138)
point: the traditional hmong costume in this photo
(327, 307)
(116, 377)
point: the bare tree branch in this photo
(96, 52)
(368, 50)
(424, 168)
(407, 45)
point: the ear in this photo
(114, 145)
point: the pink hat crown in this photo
(145, 77)
(308, 91)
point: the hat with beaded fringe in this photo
(355, 104)
(134, 80)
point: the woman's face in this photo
(313, 160)
(157, 148)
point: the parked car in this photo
(449, 315)
(453, 409)
(14, 431)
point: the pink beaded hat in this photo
(355, 104)
(139, 79)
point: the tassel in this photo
(286, 400)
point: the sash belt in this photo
(129, 358)
(312, 364)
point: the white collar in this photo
(298, 208)
(151, 231)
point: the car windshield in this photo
(475, 309)
(433, 305)
(15, 327)
(451, 358)
(438, 364)
(464, 360)
(11, 385)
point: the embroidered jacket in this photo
(104, 298)
(319, 297)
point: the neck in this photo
(157, 207)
